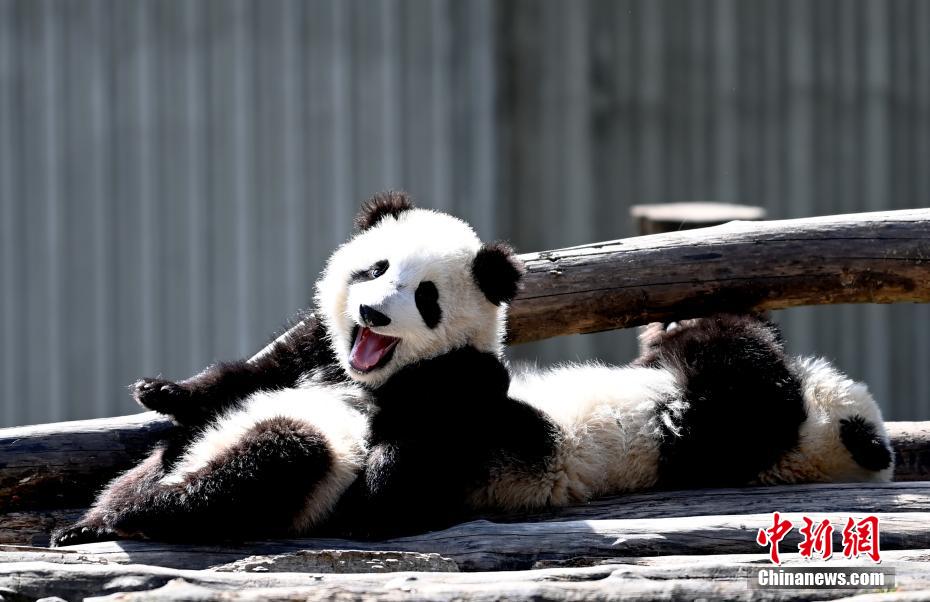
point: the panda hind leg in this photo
(257, 487)
(122, 492)
(740, 406)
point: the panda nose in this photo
(373, 317)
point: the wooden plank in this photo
(293, 144)
(473, 117)
(34, 527)
(172, 162)
(706, 577)
(918, 317)
(40, 344)
(141, 69)
(487, 546)
(10, 210)
(799, 100)
(876, 176)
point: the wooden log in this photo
(64, 464)
(861, 258)
(33, 528)
(678, 578)
(674, 217)
(488, 546)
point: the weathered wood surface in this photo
(911, 442)
(881, 257)
(33, 528)
(488, 546)
(62, 465)
(677, 578)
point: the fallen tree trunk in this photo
(63, 464)
(881, 257)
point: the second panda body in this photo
(678, 422)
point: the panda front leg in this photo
(198, 399)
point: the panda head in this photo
(413, 284)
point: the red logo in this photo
(773, 535)
(859, 537)
(816, 539)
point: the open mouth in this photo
(370, 350)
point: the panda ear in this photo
(384, 204)
(498, 271)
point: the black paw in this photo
(163, 396)
(82, 533)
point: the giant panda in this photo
(391, 409)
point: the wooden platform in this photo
(670, 545)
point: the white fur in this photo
(607, 418)
(611, 433)
(829, 396)
(331, 410)
(419, 245)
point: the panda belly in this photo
(331, 417)
(607, 439)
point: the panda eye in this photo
(378, 269)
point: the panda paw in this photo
(163, 396)
(82, 533)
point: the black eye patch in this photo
(377, 269)
(427, 299)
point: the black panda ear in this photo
(498, 271)
(391, 203)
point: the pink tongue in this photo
(368, 349)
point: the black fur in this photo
(372, 317)
(376, 270)
(199, 399)
(250, 492)
(868, 449)
(427, 300)
(498, 271)
(380, 206)
(441, 425)
(733, 371)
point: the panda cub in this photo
(390, 410)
